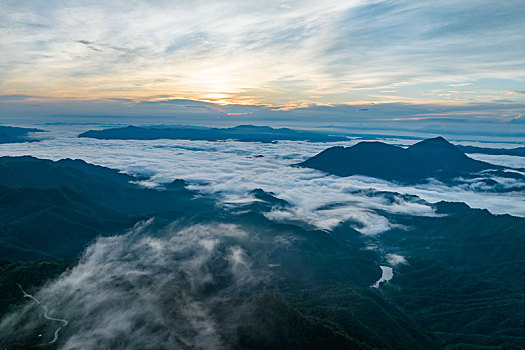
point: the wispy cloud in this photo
(153, 286)
(251, 52)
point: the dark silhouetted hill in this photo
(52, 210)
(426, 159)
(52, 223)
(10, 134)
(106, 187)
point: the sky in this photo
(278, 55)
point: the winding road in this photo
(46, 314)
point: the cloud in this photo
(230, 170)
(459, 84)
(417, 120)
(395, 259)
(255, 52)
(150, 288)
(504, 160)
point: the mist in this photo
(229, 170)
(151, 288)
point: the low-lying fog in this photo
(230, 170)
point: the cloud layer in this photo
(230, 170)
(273, 52)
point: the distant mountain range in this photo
(10, 134)
(245, 133)
(251, 133)
(431, 158)
(518, 151)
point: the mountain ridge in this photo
(244, 133)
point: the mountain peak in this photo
(434, 146)
(435, 141)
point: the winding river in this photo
(385, 277)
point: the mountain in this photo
(10, 134)
(54, 223)
(265, 284)
(315, 294)
(52, 210)
(464, 275)
(107, 187)
(434, 157)
(246, 133)
(518, 151)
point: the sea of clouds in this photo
(230, 170)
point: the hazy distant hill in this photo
(518, 151)
(238, 133)
(10, 134)
(429, 158)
